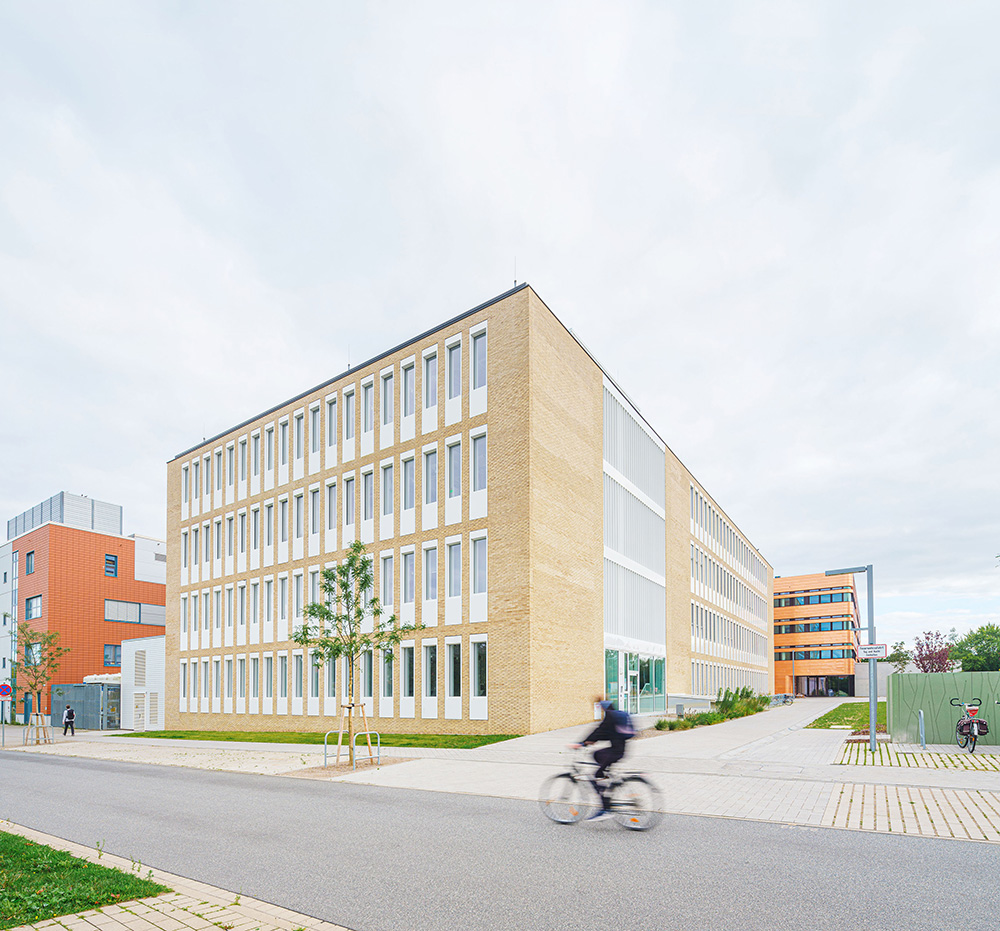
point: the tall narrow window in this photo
(218, 471)
(454, 371)
(229, 536)
(348, 501)
(269, 525)
(387, 581)
(387, 412)
(387, 503)
(314, 433)
(300, 422)
(314, 680)
(430, 670)
(430, 381)
(479, 360)
(349, 415)
(243, 460)
(406, 673)
(408, 580)
(331, 507)
(478, 463)
(243, 532)
(230, 464)
(208, 474)
(368, 408)
(331, 422)
(386, 674)
(298, 596)
(229, 606)
(282, 677)
(282, 598)
(479, 669)
(314, 511)
(454, 670)
(479, 565)
(254, 677)
(368, 495)
(255, 453)
(430, 477)
(185, 484)
(454, 470)
(409, 484)
(241, 677)
(283, 443)
(269, 449)
(268, 600)
(409, 383)
(283, 520)
(454, 570)
(430, 574)
(367, 674)
(255, 529)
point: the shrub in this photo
(727, 705)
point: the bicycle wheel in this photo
(973, 734)
(635, 802)
(962, 739)
(564, 799)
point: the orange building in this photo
(816, 624)
(67, 567)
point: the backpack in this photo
(623, 725)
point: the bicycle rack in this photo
(378, 742)
(923, 739)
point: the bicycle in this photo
(570, 797)
(969, 728)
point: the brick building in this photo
(67, 567)
(513, 500)
(816, 624)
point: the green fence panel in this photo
(910, 692)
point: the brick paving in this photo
(908, 755)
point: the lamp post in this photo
(872, 668)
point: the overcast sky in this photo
(776, 224)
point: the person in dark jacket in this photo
(615, 728)
(69, 721)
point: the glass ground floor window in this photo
(635, 681)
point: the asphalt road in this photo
(377, 859)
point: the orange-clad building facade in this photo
(95, 588)
(816, 623)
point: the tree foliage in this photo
(349, 622)
(38, 659)
(979, 650)
(899, 657)
(932, 652)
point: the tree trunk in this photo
(350, 714)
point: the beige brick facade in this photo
(542, 614)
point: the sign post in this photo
(4, 696)
(872, 659)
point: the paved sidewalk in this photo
(765, 767)
(190, 905)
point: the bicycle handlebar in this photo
(975, 701)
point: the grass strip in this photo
(441, 741)
(38, 883)
(850, 713)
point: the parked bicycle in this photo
(570, 797)
(969, 728)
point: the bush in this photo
(727, 705)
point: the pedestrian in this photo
(69, 721)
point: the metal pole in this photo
(872, 663)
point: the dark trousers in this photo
(604, 758)
(68, 726)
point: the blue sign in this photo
(4, 690)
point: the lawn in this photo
(448, 741)
(38, 883)
(851, 713)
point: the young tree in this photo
(41, 655)
(348, 622)
(979, 650)
(932, 652)
(899, 657)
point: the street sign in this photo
(872, 651)
(4, 690)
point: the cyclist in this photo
(615, 728)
